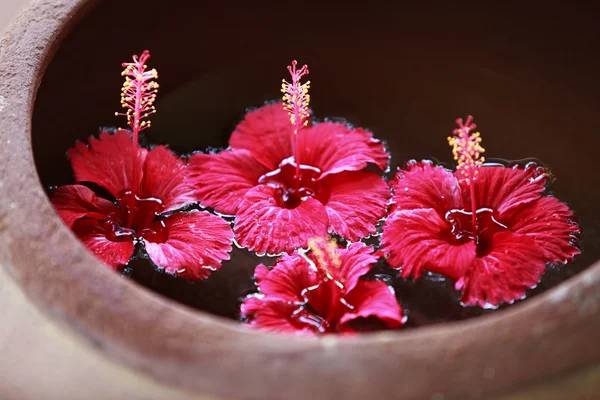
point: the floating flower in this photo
(489, 228)
(321, 292)
(149, 186)
(286, 180)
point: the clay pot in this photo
(404, 71)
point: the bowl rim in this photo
(196, 351)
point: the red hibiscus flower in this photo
(489, 228)
(191, 244)
(286, 183)
(321, 292)
(148, 186)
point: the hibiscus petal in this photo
(197, 242)
(264, 227)
(73, 202)
(424, 185)
(503, 189)
(280, 304)
(356, 260)
(279, 316)
(553, 227)
(357, 200)
(165, 178)
(106, 161)
(418, 240)
(290, 276)
(266, 133)
(373, 299)
(222, 180)
(335, 147)
(114, 253)
(515, 264)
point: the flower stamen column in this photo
(295, 102)
(137, 97)
(467, 150)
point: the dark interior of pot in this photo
(406, 72)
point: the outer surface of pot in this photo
(8, 10)
(548, 336)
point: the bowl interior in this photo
(406, 72)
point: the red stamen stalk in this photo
(473, 203)
(137, 97)
(295, 102)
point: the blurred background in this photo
(8, 9)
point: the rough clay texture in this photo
(545, 337)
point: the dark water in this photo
(220, 294)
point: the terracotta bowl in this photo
(406, 72)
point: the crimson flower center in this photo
(142, 218)
(323, 306)
(290, 190)
(487, 226)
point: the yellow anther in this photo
(466, 148)
(138, 92)
(295, 96)
(326, 254)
